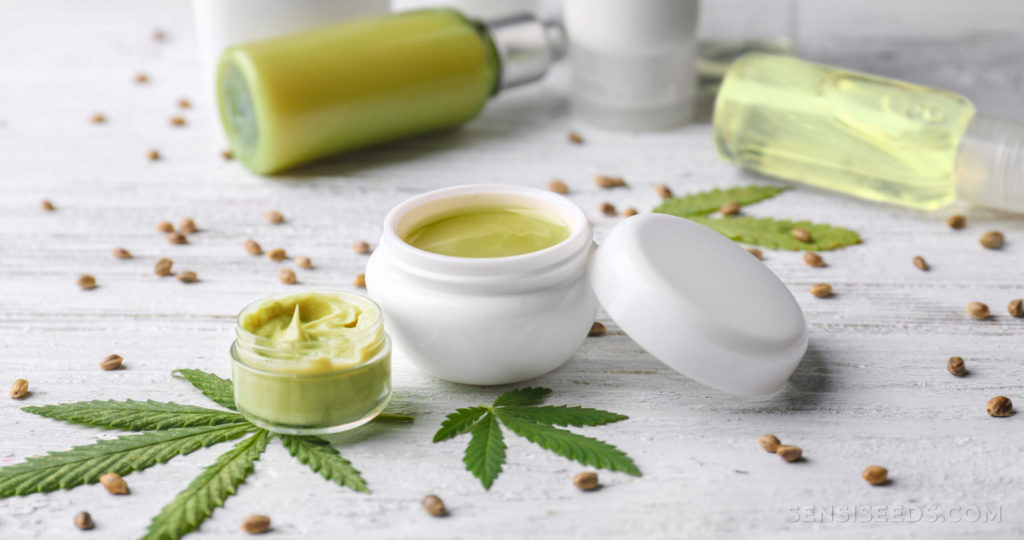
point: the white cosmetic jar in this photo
(484, 321)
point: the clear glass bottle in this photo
(867, 136)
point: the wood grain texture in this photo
(872, 389)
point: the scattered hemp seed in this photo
(597, 329)
(277, 254)
(227, 155)
(789, 453)
(187, 225)
(558, 187)
(769, 442)
(45, 204)
(114, 484)
(184, 103)
(177, 238)
(274, 217)
(730, 208)
(977, 310)
(755, 252)
(801, 234)
(875, 475)
(999, 406)
(303, 261)
(663, 191)
(956, 366)
(360, 281)
(287, 276)
(188, 276)
(163, 267)
(159, 35)
(153, 155)
(608, 209)
(434, 506)
(165, 226)
(112, 362)
(177, 120)
(956, 221)
(1016, 308)
(361, 247)
(19, 389)
(992, 240)
(821, 290)
(921, 264)
(813, 259)
(575, 137)
(252, 247)
(586, 481)
(98, 118)
(608, 182)
(256, 524)
(629, 212)
(141, 78)
(84, 521)
(86, 282)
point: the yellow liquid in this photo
(489, 232)
(866, 136)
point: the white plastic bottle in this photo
(634, 62)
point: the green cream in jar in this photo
(311, 362)
(484, 232)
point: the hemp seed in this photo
(801, 235)
(730, 208)
(111, 362)
(955, 365)
(1016, 308)
(153, 155)
(184, 103)
(875, 475)
(434, 506)
(163, 267)
(187, 225)
(45, 204)
(84, 521)
(176, 238)
(575, 138)
(921, 264)
(769, 442)
(813, 259)
(663, 191)
(956, 221)
(303, 262)
(86, 282)
(159, 35)
(252, 247)
(114, 484)
(597, 329)
(992, 240)
(19, 389)
(277, 254)
(608, 182)
(789, 452)
(821, 290)
(165, 227)
(360, 281)
(274, 217)
(558, 187)
(977, 310)
(256, 524)
(608, 209)
(287, 276)
(361, 247)
(188, 276)
(228, 155)
(586, 481)
(141, 78)
(121, 253)
(755, 252)
(98, 118)
(999, 406)
(629, 212)
(177, 121)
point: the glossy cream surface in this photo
(484, 232)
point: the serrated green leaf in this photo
(325, 460)
(85, 464)
(208, 491)
(523, 396)
(217, 389)
(706, 202)
(777, 233)
(485, 453)
(134, 415)
(459, 422)
(561, 415)
(565, 443)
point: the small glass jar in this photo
(336, 382)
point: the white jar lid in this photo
(700, 303)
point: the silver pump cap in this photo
(526, 47)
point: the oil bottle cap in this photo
(699, 303)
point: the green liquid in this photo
(489, 232)
(866, 136)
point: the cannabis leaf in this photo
(777, 233)
(217, 389)
(520, 411)
(209, 490)
(707, 202)
(85, 464)
(134, 415)
(768, 232)
(325, 460)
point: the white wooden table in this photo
(872, 389)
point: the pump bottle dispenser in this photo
(870, 137)
(297, 98)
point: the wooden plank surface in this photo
(872, 389)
